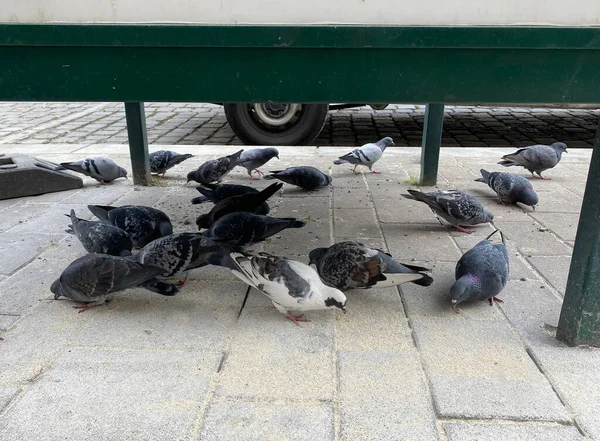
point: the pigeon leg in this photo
(259, 172)
(376, 172)
(354, 169)
(296, 318)
(252, 178)
(183, 282)
(82, 307)
(540, 175)
(495, 299)
(463, 229)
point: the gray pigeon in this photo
(366, 155)
(163, 160)
(217, 193)
(242, 228)
(481, 273)
(348, 265)
(215, 169)
(91, 279)
(98, 237)
(306, 177)
(456, 207)
(511, 188)
(291, 285)
(536, 158)
(254, 158)
(142, 224)
(102, 169)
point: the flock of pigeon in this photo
(239, 219)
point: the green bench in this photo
(325, 64)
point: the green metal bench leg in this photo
(432, 140)
(579, 322)
(138, 142)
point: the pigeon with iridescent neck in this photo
(536, 158)
(510, 188)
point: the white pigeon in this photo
(291, 285)
(102, 169)
(366, 155)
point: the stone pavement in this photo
(201, 123)
(218, 362)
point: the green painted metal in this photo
(432, 138)
(138, 142)
(579, 322)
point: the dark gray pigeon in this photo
(536, 158)
(247, 202)
(217, 193)
(215, 169)
(366, 155)
(481, 273)
(510, 188)
(242, 228)
(306, 177)
(98, 237)
(91, 279)
(292, 286)
(456, 207)
(142, 224)
(348, 265)
(163, 160)
(103, 170)
(254, 158)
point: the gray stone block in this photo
(359, 223)
(257, 421)
(158, 397)
(479, 369)
(562, 224)
(18, 213)
(383, 396)
(6, 396)
(22, 175)
(17, 250)
(7, 320)
(424, 243)
(554, 268)
(531, 239)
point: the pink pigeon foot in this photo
(463, 229)
(376, 172)
(296, 318)
(495, 299)
(82, 308)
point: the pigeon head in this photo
(271, 152)
(56, 289)
(328, 178)
(383, 143)
(203, 221)
(559, 146)
(337, 299)
(316, 255)
(191, 176)
(463, 289)
(487, 216)
(122, 173)
(528, 197)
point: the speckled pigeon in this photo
(366, 155)
(348, 265)
(215, 169)
(481, 273)
(536, 158)
(306, 177)
(292, 286)
(456, 207)
(247, 202)
(163, 160)
(254, 158)
(217, 193)
(142, 224)
(243, 228)
(103, 170)
(98, 237)
(91, 279)
(510, 188)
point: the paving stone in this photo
(7, 320)
(21, 248)
(6, 396)
(248, 420)
(562, 224)
(19, 213)
(359, 223)
(478, 369)
(419, 242)
(383, 396)
(553, 268)
(158, 398)
(346, 198)
(532, 239)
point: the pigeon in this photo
(215, 169)
(536, 158)
(248, 202)
(176, 254)
(511, 188)
(254, 158)
(98, 237)
(103, 170)
(292, 286)
(481, 273)
(348, 265)
(306, 177)
(242, 228)
(163, 160)
(456, 207)
(216, 193)
(366, 155)
(91, 279)
(143, 224)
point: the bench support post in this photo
(138, 142)
(432, 140)
(579, 322)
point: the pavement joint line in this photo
(504, 421)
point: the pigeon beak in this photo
(454, 303)
(533, 206)
(344, 310)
